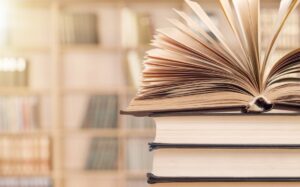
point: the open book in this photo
(197, 68)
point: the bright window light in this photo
(4, 11)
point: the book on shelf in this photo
(13, 72)
(103, 154)
(136, 28)
(25, 182)
(186, 72)
(33, 156)
(19, 113)
(140, 123)
(79, 28)
(138, 157)
(133, 68)
(102, 112)
(224, 112)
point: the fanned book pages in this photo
(196, 67)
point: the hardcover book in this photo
(189, 69)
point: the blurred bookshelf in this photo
(82, 66)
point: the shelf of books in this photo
(25, 119)
(100, 76)
(66, 69)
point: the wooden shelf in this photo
(129, 133)
(92, 132)
(90, 48)
(21, 51)
(109, 173)
(24, 175)
(143, 133)
(31, 3)
(94, 48)
(91, 173)
(26, 133)
(22, 91)
(140, 48)
(94, 91)
(136, 174)
(68, 2)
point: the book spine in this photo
(25, 182)
(32, 158)
(79, 28)
(152, 179)
(138, 158)
(155, 146)
(19, 113)
(13, 72)
(102, 155)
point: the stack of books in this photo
(225, 114)
(226, 148)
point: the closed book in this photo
(227, 163)
(228, 128)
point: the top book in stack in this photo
(196, 67)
